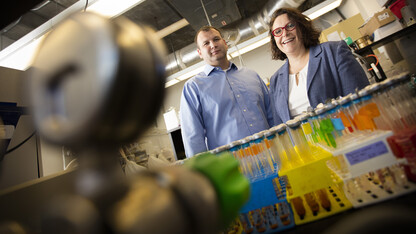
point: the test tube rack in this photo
(267, 211)
(403, 145)
(361, 164)
(307, 181)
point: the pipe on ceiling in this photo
(247, 29)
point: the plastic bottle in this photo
(269, 139)
(277, 146)
(342, 112)
(299, 140)
(325, 125)
(306, 128)
(251, 159)
(261, 154)
(236, 149)
(293, 159)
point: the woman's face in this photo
(289, 41)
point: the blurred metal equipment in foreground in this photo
(96, 84)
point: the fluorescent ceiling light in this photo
(22, 59)
(113, 8)
(250, 45)
(322, 8)
(19, 55)
(190, 73)
(171, 82)
(185, 74)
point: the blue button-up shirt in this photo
(219, 107)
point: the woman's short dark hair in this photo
(309, 34)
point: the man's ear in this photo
(199, 52)
(226, 46)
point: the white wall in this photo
(260, 60)
(367, 8)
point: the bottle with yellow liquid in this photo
(293, 158)
(306, 128)
(278, 149)
(299, 140)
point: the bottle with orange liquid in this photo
(369, 108)
(344, 114)
(251, 158)
(260, 152)
(237, 151)
(269, 140)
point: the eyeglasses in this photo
(277, 32)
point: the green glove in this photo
(233, 189)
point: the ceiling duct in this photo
(247, 29)
(217, 13)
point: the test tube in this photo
(306, 128)
(325, 125)
(390, 102)
(332, 124)
(236, 150)
(269, 140)
(251, 160)
(299, 207)
(299, 140)
(246, 222)
(292, 156)
(271, 216)
(332, 111)
(258, 148)
(353, 110)
(369, 108)
(312, 203)
(346, 118)
(403, 99)
(406, 94)
(316, 132)
(323, 199)
(277, 146)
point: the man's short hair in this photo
(206, 29)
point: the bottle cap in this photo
(293, 123)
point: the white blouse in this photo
(298, 96)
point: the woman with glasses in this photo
(314, 72)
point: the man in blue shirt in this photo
(223, 103)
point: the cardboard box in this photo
(387, 30)
(376, 21)
(348, 27)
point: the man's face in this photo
(212, 48)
